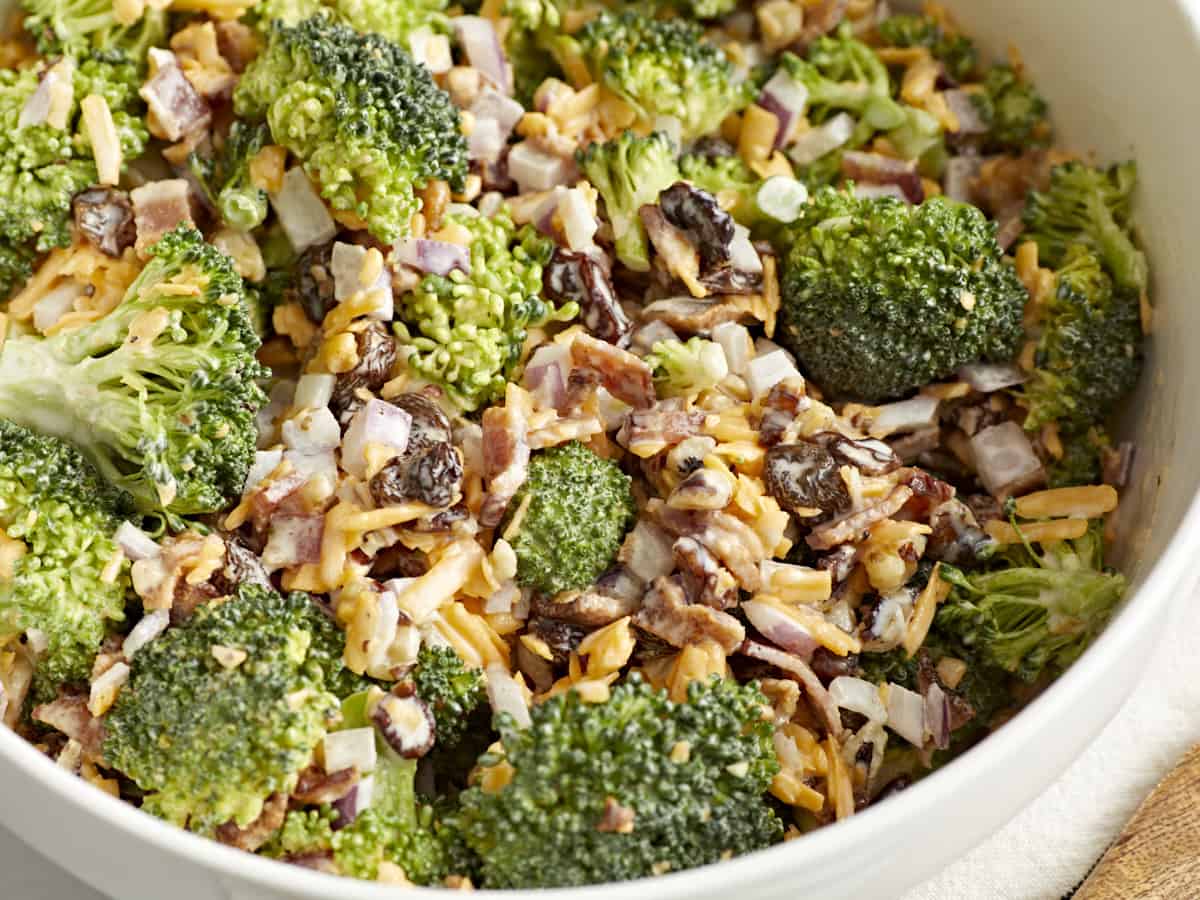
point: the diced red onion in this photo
(989, 377)
(803, 673)
(742, 255)
(406, 724)
(353, 748)
(767, 370)
(647, 551)
(535, 170)
(816, 142)
(906, 714)
(176, 105)
(353, 803)
(782, 198)
(293, 540)
(506, 695)
(499, 108)
(312, 431)
(779, 628)
(486, 140)
(858, 696)
(376, 422)
(877, 169)
(735, 340)
(956, 179)
(1005, 460)
(546, 375)
(937, 716)
(643, 340)
(579, 223)
(966, 112)
(135, 543)
(150, 626)
(786, 98)
(913, 414)
(50, 103)
(482, 47)
(55, 304)
(302, 212)
(434, 257)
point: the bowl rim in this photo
(1138, 610)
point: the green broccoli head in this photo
(467, 329)
(80, 27)
(64, 583)
(1082, 459)
(1089, 350)
(451, 689)
(1093, 207)
(208, 739)
(842, 73)
(161, 393)
(1035, 612)
(579, 762)
(42, 167)
(663, 67)
(1013, 110)
(242, 206)
(727, 177)
(880, 297)
(685, 369)
(955, 51)
(395, 20)
(365, 119)
(579, 508)
(630, 172)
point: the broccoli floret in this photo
(43, 167)
(160, 394)
(59, 516)
(240, 204)
(1093, 207)
(685, 369)
(209, 740)
(1013, 110)
(366, 120)
(630, 172)
(579, 508)
(288, 12)
(730, 180)
(1089, 350)
(80, 27)
(662, 68)
(955, 51)
(578, 759)
(1082, 459)
(880, 297)
(468, 329)
(1038, 612)
(529, 43)
(451, 689)
(395, 20)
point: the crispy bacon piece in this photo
(505, 460)
(624, 375)
(853, 526)
(160, 206)
(666, 614)
(175, 106)
(260, 830)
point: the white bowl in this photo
(1121, 79)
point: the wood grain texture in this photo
(1157, 856)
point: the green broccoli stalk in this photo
(452, 691)
(1089, 350)
(1039, 612)
(579, 508)
(630, 172)
(880, 298)
(468, 330)
(365, 119)
(160, 394)
(81, 27)
(242, 206)
(1092, 207)
(42, 167)
(210, 740)
(64, 516)
(955, 51)
(685, 369)
(661, 68)
(579, 762)
(727, 178)
(1013, 110)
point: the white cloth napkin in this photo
(1048, 848)
(1041, 855)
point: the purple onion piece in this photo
(482, 47)
(406, 724)
(956, 180)
(434, 257)
(965, 111)
(354, 802)
(877, 169)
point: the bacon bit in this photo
(624, 375)
(853, 527)
(314, 785)
(616, 819)
(260, 830)
(666, 614)
(801, 672)
(175, 108)
(69, 715)
(506, 459)
(158, 207)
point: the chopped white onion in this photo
(314, 390)
(535, 170)
(353, 748)
(786, 98)
(506, 695)
(963, 107)
(735, 340)
(312, 431)
(348, 264)
(264, 464)
(989, 377)
(503, 110)
(816, 142)
(55, 304)
(875, 191)
(50, 103)
(293, 540)
(779, 628)
(387, 621)
(937, 716)
(858, 696)
(431, 50)
(279, 401)
(546, 375)
(913, 414)
(310, 466)
(742, 255)
(906, 714)
(579, 224)
(482, 47)
(486, 140)
(502, 599)
(1005, 460)
(376, 422)
(135, 543)
(782, 198)
(956, 179)
(767, 370)
(150, 626)
(643, 340)
(647, 551)
(302, 212)
(434, 257)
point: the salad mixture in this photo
(542, 442)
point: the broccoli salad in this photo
(532, 443)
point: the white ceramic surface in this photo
(1121, 77)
